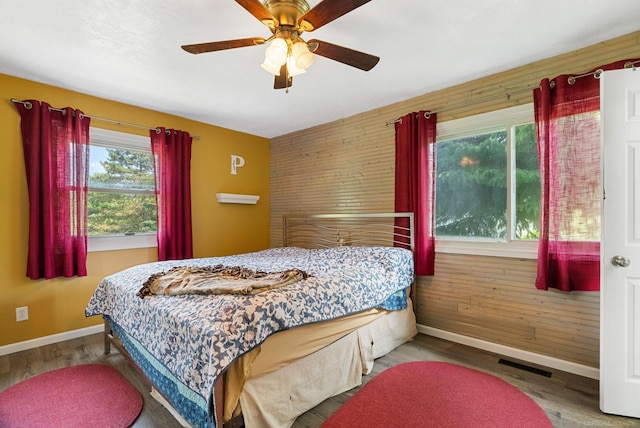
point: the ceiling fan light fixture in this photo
(277, 51)
(286, 53)
(301, 54)
(292, 68)
(270, 67)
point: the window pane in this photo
(117, 210)
(121, 169)
(471, 186)
(527, 224)
(120, 213)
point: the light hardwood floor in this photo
(569, 400)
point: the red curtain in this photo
(172, 156)
(56, 157)
(415, 182)
(567, 115)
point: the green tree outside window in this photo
(471, 186)
(121, 199)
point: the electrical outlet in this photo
(22, 313)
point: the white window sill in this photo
(514, 249)
(121, 242)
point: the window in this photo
(488, 185)
(121, 199)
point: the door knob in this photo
(620, 261)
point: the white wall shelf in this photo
(235, 198)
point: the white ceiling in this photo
(129, 51)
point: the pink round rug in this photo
(436, 394)
(90, 395)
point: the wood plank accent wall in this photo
(348, 166)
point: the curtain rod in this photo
(571, 80)
(597, 73)
(28, 105)
(476, 101)
(631, 64)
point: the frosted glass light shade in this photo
(292, 68)
(303, 57)
(277, 51)
(271, 67)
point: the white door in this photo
(620, 249)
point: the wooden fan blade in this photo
(257, 9)
(327, 11)
(219, 46)
(284, 81)
(344, 55)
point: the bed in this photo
(262, 358)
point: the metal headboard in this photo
(331, 230)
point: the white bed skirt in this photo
(276, 399)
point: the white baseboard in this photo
(508, 351)
(531, 357)
(48, 340)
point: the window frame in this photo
(507, 119)
(120, 140)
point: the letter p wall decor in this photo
(236, 162)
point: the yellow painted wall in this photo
(57, 306)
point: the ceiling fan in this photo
(288, 54)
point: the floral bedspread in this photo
(194, 338)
